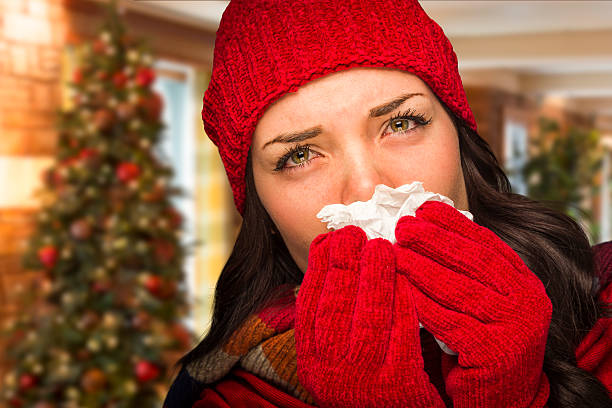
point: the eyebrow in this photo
(375, 112)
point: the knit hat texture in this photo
(266, 48)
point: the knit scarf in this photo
(263, 345)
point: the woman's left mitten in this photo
(475, 294)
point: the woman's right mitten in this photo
(356, 332)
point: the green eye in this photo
(300, 156)
(400, 125)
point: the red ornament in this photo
(169, 290)
(164, 251)
(152, 105)
(176, 219)
(80, 229)
(146, 371)
(126, 39)
(68, 161)
(154, 284)
(44, 404)
(48, 256)
(145, 76)
(77, 76)
(127, 172)
(48, 177)
(102, 75)
(99, 46)
(27, 381)
(90, 157)
(181, 334)
(153, 195)
(16, 402)
(88, 153)
(141, 320)
(125, 110)
(94, 380)
(103, 119)
(16, 337)
(101, 286)
(120, 79)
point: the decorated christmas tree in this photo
(100, 328)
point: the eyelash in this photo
(410, 114)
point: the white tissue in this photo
(379, 215)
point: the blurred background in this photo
(538, 77)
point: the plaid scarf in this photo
(264, 345)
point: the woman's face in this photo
(339, 136)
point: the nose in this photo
(361, 173)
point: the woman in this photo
(315, 102)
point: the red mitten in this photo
(474, 293)
(356, 330)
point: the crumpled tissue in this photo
(379, 215)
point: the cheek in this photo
(293, 208)
(438, 166)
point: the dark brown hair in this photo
(550, 243)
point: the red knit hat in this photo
(266, 48)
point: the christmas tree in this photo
(106, 322)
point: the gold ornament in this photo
(93, 380)
(134, 185)
(67, 299)
(130, 387)
(31, 337)
(91, 192)
(10, 380)
(66, 253)
(120, 243)
(105, 36)
(162, 223)
(111, 342)
(133, 55)
(30, 359)
(135, 124)
(62, 371)
(144, 143)
(141, 247)
(99, 272)
(88, 320)
(93, 345)
(73, 393)
(110, 320)
(85, 114)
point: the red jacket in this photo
(240, 389)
